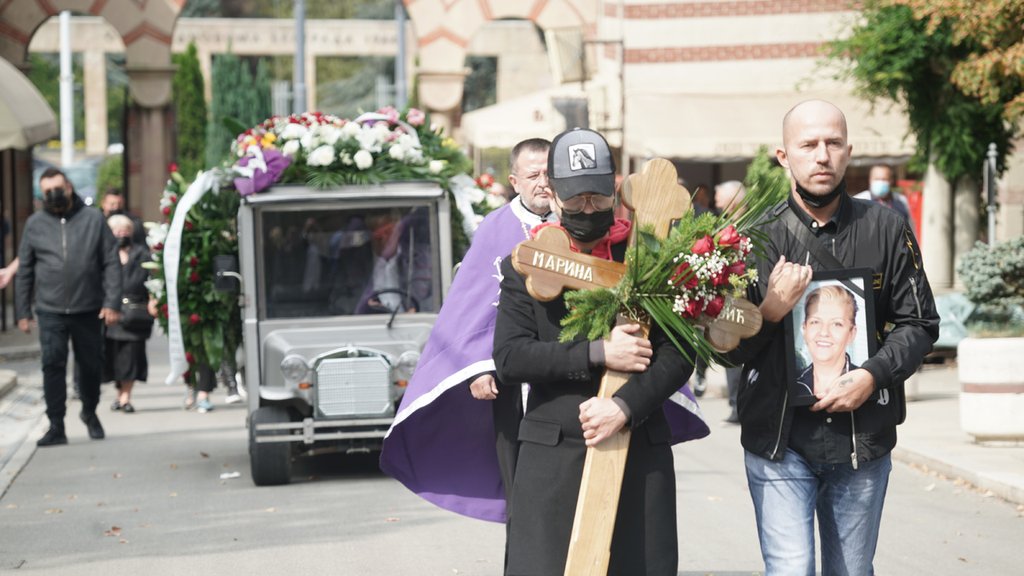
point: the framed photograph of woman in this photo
(829, 332)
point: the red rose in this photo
(194, 319)
(714, 308)
(173, 198)
(693, 307)
(172, 168)
(186, 375)
(158, 246)
(720, 279)
(166, 210)
(703, 246)
(189, 357)
(189, 225)
(728, 237)
(193, 277)
(681, 274)
(193, 261)
(736, 269)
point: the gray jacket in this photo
(69, 262)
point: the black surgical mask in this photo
(815, 201)
(56, 200)
(124, 241)
(585, 227)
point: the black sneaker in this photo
(92, 422)
(53, 437)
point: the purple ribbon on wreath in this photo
(260, 171)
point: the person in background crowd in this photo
(125, 346)
(880, 190)
(729, 197)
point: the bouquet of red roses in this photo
(681, 282)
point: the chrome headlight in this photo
(406, 365)
(294, 368)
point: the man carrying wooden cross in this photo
(563, 415)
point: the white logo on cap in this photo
(582, 156)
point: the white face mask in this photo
(880, 188)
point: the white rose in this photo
(291, 148)
(293, 131)
(330, 134)
(363, 159)
(351, 130)
(345, 158)
(309, 140)
(368, 140)
(397, 152)
(436, 166)
(322, 156)
(414, 156)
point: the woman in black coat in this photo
(125, 345)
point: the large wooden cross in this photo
(551, 267)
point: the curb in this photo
(8, 380)
(1007, 491)
(13, 353)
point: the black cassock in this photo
(552, 450)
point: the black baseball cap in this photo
(580, 161)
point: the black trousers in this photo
(85, 331)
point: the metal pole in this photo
(299, 64)
(622, 109)
(990, 184)
(401, 92)
(67, 95)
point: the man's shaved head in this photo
(807, 110)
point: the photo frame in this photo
(825, 334)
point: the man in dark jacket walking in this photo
(833, 457)
(68, 261)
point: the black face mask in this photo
(56, 200)
(124, 241)
(821, 201)
(588, 227)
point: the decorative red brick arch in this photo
(146, 28)
(444, 28)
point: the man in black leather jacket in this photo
(69, 263)
(832, 457)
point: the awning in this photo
(507, 123)
(731, 127)
(25, 117)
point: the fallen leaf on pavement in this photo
(118, 475)
(391, 519)
(53, 511)
(174, 466)
(114, 531)
(123, 541)
(204, 454)
(271, 509)
(11, 506)
(173, 494)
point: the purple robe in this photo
(442, 442)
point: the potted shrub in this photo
(991, 358)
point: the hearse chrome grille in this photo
(353, 387)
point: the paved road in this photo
(150, 499)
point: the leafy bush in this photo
(994, 279)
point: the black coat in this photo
(870, 236)
(133, 278)
(552, 449)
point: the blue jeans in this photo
(848, 502)
(85, 331)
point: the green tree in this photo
(190, 112)
(894, 54)
(238, 99)
(110, 174)
(994, 73)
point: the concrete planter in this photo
(991, 374)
